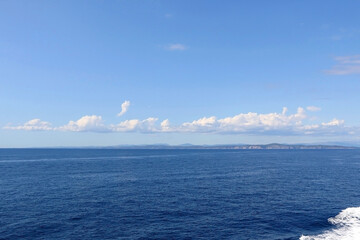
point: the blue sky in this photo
(202, 72)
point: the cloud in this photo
(281, 124)
(85, 124)
(247, 122)
(344, 70)
(313, 109)
(32, 125)
(165, 125)
(251, 123)
(334, 122)
(147, 125)
(176, 47)
(201, 125)
(345, 65)
(334, 127)
(124, 108)
(355, 59)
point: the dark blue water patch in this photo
(174, 194)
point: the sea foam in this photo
(346, 226)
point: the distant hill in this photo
(235, 146)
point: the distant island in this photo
(235, 146)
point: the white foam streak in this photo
(346, 226)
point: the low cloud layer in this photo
(32, 125)
(85, 124)
(276, 123)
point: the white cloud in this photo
(265, 124)
(333, 127)
(284, 110)
(313, 109)
(124, 108)
(201, 125)
(276, 123)
(355, 59)
(165, 125)
(344, 70)
(345, 65)
(334, 122)
(176, 47)
(32, 125)
(86, 124)
(147, 125)
(246, 122)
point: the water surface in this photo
(179, 194)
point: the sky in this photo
(103, 73)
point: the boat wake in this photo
(346, 226)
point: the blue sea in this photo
(179, 194)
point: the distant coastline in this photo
(219, 146)
(231, 146)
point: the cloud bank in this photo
(85, 124)
(32, 125)
(275, 123)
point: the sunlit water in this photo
(179, 194)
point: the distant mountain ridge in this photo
(232, 146)
(215, 146)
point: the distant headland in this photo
(231, 146)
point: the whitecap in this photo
(346, 226)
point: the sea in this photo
(179, 194)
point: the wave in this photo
(346, 226)
(84, 158)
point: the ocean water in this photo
(179, 194)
